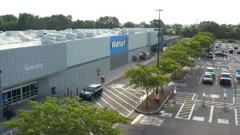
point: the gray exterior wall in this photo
(81, 51)
(118, 60)
(137, 40)
(152, 38)
(78, 76)
(15, 63)
(137, 51)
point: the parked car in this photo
(207, 78)
(210, 70)
(209, 55)
(225, 71)
(238, 51)
(231, 51)
(238, 75)
(235, 47)
(143, 56)
(92, 91)
(221, 54)
(225, 79)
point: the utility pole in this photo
(158, 46)
(1, 99)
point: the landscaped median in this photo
(177, 61)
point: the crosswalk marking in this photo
(186, 110)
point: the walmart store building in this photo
(31, 71)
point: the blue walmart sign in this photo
(118, 44)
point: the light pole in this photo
(1, 99)
(158, 46)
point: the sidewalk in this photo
(119, 72)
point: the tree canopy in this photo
(66, 117)
(168, 65)
(179, 56)
(27, 21)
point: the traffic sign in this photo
(214, 96)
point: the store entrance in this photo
(20, 93)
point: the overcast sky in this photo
(176, 11)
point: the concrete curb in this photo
(122, 75)
(156, 111)
(180, 81)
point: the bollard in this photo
(70, 93)
(77, 91)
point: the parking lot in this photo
(210, 107)
(121, 97)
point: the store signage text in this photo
(116, 44)
(33, 67)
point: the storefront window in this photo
(19, 93)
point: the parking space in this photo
(223, 116)
(201, 114)
(120, 97)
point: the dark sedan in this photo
(220, 54)
(92, 91)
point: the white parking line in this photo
(193, 96)
(201, 79)
(136, 91)
(216, 79)
(129, 93)
(229, 67)
(232, 82)
(137, 119)
(117, 102)
(179, 111)
(98, 103)
(125, 96)
(130, 86)
(130, 113)
(211, 114)
(119, 98)
(111, 106)
(236, 117)
(191, 112)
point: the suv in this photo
(92, 91)
(225, 79)
(208, 78)
(210, 70)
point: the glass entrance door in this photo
(20, 93)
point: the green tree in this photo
(205, 41)
(77, 24)
(107, 22)
(177, 28)
(179, 56)
(195, 47)
(190, 31)
(66, 117)
(25, 21)
(168, 65)
(146, 77)
(129, 25)
(155, 23)
(209, 26)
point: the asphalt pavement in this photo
(194, 112)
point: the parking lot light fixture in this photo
(158, 46)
